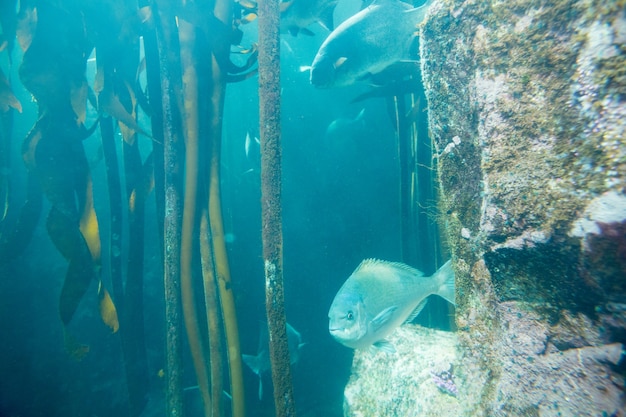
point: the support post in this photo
(269, 120)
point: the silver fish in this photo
(342, 126)
(367, 43)
(260, 363)
(249, 143)
(378, 297)
(297, 15)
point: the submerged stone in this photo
(408, 382)
(533, 193)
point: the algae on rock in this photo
(403, 383)
(533, 96)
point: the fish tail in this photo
(445, 276)
(253, 363)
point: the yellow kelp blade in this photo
(98, 81)
(110, 104)
(145, 186)
(107, 308)
(248, 18)
(7, 98)
(89, 223)
(76, 350)
(248, 4)
(129, 133)
(26, 26)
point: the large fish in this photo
(378, 297)
(367, 43)
(260, 363)
(297, 15)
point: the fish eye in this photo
(350, 315)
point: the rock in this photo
(538, 379)
(533, 195)
(402, 383)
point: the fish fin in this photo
(284, 5)
(252, 362)
(326, 19)
(306, 32)
(76, 350)
(248, 18)
(293, 331)
(371, 265)
(414, 47)
(408, 63)
(419, 12)
(384, 345)
(339, 62)
(445, 276)
(383, 317)
(293, 30)
(417, 310)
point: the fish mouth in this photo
(319, 84)
(321, 77)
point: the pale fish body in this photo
(342, 126)
(298, 15)
(378, 297)
(367, 43)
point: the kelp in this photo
(54, 154)
(186, 48)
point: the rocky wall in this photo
(527, 108)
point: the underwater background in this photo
(340, 206)
(504, 216)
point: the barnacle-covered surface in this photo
(409, 382)
(528, 113)
(561, 370)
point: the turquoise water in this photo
(359, 180)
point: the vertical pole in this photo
(173, 213)
(269, 120)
